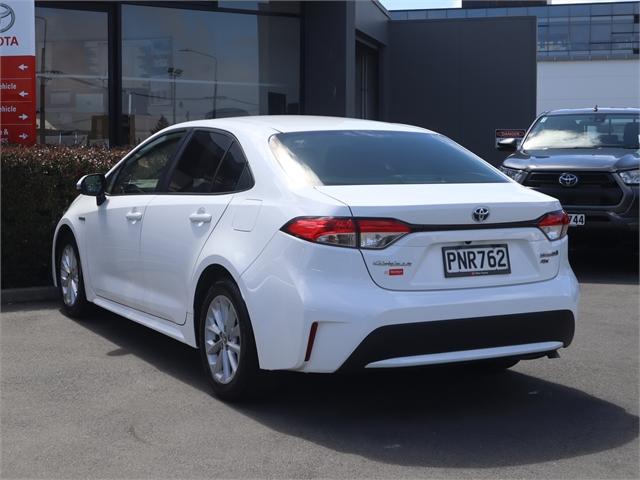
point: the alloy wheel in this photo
(69, 276)
(222, 339)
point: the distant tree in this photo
(162, 123)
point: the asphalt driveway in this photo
(108, 398)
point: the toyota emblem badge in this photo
(568, 179)
(480, 214)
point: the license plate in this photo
(464, 261)
(577, 219)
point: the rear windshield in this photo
(370, 157)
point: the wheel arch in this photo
(211, 274)
(63, 230)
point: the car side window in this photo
(234, 173)
(142, 172)
(198, 163)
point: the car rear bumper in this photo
(331, 287)
(528, 350)
(464, 339)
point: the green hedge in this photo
(38, 184)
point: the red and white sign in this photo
(17, 72)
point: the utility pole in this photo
(174, 73)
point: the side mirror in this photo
(508, 145)
(93, 186)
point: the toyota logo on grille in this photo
(7, 17)
(568, 180)
(480, 214)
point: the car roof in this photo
(297, 123)
(574, 111)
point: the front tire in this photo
(70, 279)
(227, 345)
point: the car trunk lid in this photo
(441, 216)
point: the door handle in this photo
(200, 217)
(133, 216)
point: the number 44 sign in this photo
(17, 72)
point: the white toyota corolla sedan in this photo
(319, 244)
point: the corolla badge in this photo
(568, 179)
(391, 263)
(480, 214)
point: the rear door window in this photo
(198, 163)
(234, 174)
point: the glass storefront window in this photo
(558, 37)
(180, 65)
(437, 14)
(496, 12)
(580, 19)
(417, 15)
(579, 10)
(538, 11)
(600, 33)
(476, 12)
(622, 8)
(559, 11)
(601, 9)
(516, 12)
(72, 76)
(579, 34)
(459, 13)
(565, 29)
(262, 6)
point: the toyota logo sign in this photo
(480, 214)
(568, 180)
(7, 17)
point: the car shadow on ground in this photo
(602, 262)
(438, 417)
(445, 417)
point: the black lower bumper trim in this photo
(441, 336)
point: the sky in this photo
(421, 4)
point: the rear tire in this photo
(71, 279)
(226, 343)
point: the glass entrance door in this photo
(367, 83)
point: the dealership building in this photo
(115, 72)
(587, 53)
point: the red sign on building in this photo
(17, 72)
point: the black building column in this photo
(464, 78)
(329, 47)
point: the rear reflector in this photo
(312, 338)
(369, 233)
(554, 224)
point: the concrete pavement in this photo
(108, 398)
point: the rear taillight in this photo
(380, 233)
(368, 233)
(554, 224)
(340, 231)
